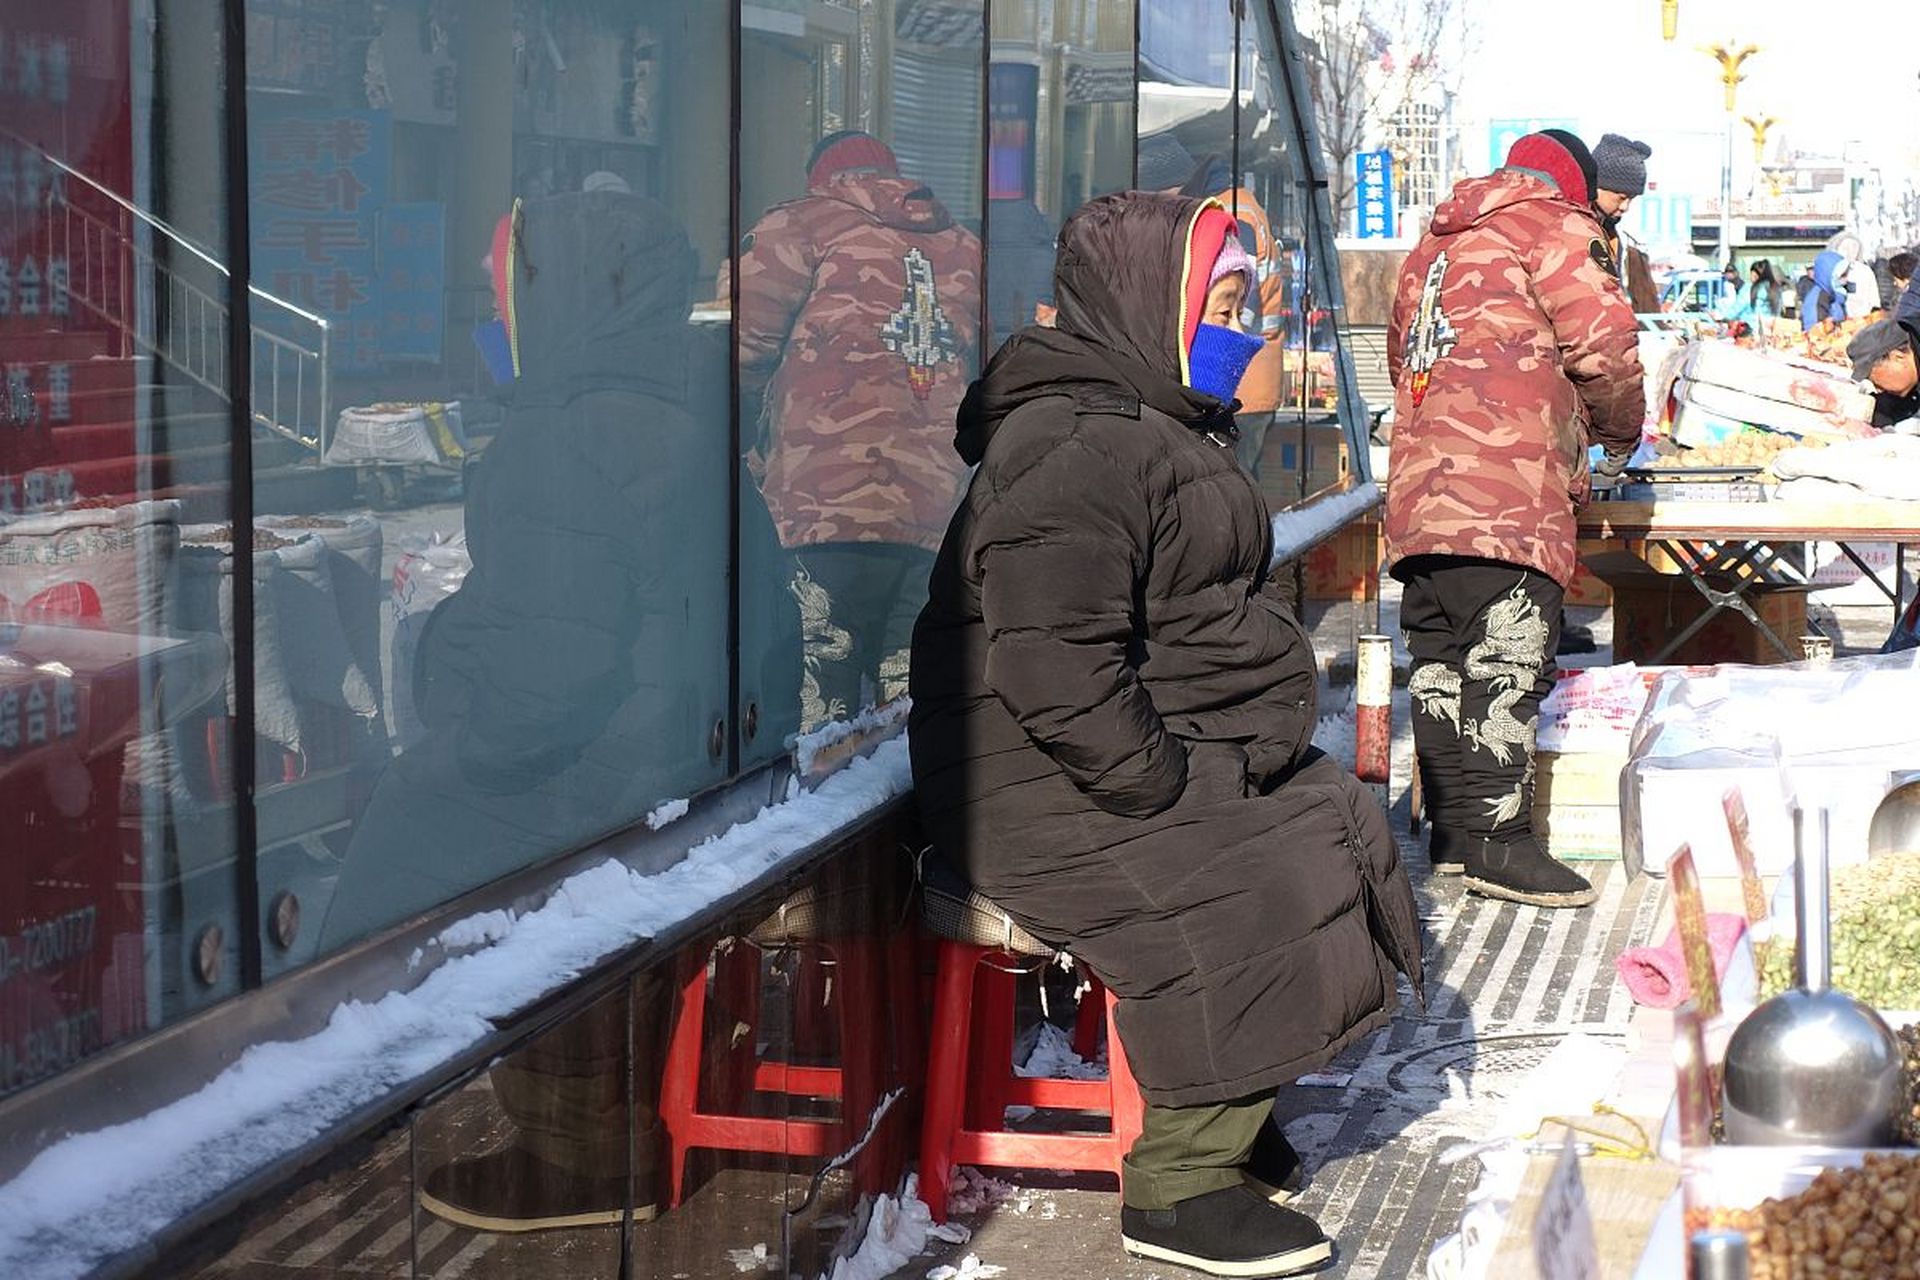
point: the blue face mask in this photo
(1218, 359)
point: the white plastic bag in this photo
(429, 570)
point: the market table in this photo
(1744, 539)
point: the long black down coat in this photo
(1112, 709)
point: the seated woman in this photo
(1112, 714)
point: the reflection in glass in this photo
(116, 839)
(1061, 105)
(356, 1222)
(1307, 450)
(858, 321)
(1209, 126)
(529, 1166)
(492, 457)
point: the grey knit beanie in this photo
(1622, 164)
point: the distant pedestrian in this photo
(1620, 172)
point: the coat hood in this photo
(1477, 199)
(1827, 268)
(1120, 283)
(890, 200)
(598, 287)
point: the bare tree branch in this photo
(1368, 60)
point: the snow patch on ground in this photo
(973, 1192)
(754, 1259)
(1052, 1058)
(970, 1268)
(1336, 734)
(898, 1231)
(93, 1195)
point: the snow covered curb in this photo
(93, 1195)
(1294, 531)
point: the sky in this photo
(1832, 72)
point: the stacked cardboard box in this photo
(1576, 803)
(1347, 565)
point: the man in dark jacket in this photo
(1112, 712)
(1512, 349)
(1620, 178)
(1887, 354)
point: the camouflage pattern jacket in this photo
(859, 324)
(1512, 349)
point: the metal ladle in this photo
(1812, 1066)
(1896, 820)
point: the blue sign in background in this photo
(413, 265)
(319, 184)
(1373, 195)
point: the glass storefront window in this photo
(1231, 128)
(857, 310)
(492, 464)
(1061, 130)
(116, 880)
(589, 463)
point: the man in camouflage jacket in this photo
(1512, 349)
(858, 327)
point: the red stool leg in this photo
(946, 1101)
(680, 1083)
(859, 1012)
(992, 1059)
(1129, 1108)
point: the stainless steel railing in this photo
(136, 274)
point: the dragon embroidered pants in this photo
(1482, 635)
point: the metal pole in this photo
(1726, 198)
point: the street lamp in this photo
(1759, 128)
(1730, 60)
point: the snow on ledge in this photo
(1294, 531)
(93, 1195)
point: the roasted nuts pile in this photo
(1748, 449)
(1851, 1224)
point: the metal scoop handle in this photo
(1813, 924)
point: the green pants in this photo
(1184, 1152)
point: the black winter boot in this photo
(1230, 1232)
(1273, 1167)
(1519, 870)
(1446, 850)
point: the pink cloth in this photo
(1657, 976)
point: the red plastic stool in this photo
(970, 1083)
(857, 1083)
